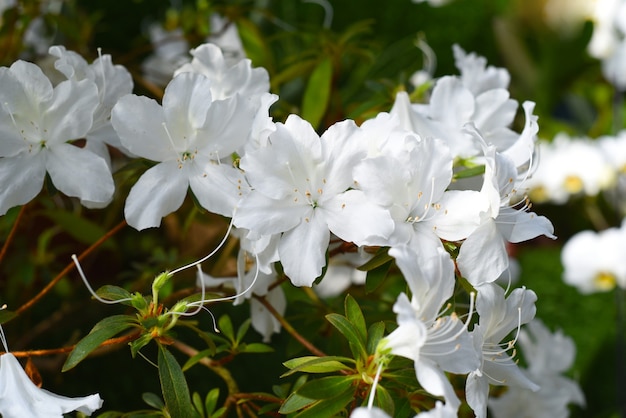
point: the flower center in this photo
(573, 184)
(604, 281)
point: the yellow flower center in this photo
(604, 281)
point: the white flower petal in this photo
(22, 178)
(267, 216)
(186, 101)
(158, 192)
(20, 398)
(79, 172)
(483, 256)
(302, 251)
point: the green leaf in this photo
(375, 333)
(328, 407)
(115, 293)
(197, 403)
(140, 343)
(81, 229)
(196, 358)
(312, 364)
(210, 402)
(470, 172)
(317, 93)
(226, 327)
(253, 43)
(153, 400)
(241, 332)
(376, 276)
(256, 348)
(295, 403)
(381, 257)
(327, 387)
(384, 400)
(102, 331)
(6, 316)
(174, 385)
(355, 316)
(350, 332)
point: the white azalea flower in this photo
(192, 138)
(548, 355)
(113, 82)
(225, 35)
(300, 190)
(36, 123)
(365, 412)
(594, 261)
(476, 75)
(498, 317)
(436, 343)
(171, 51)
(20, 398)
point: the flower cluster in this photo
(437, 184)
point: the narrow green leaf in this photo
(254, 44)
(153, 400)
(210, 402)
(312, 364)
(196, 358)
(196, 400)
(317, 93)
(328, 407)
(326, 387)
(6, 316)
(102, 331)
(256, 348)
(241, 332)
(350, 332)
(355, 316)
(470, 172)
(384, 400)
(381, 257)
(376, 276)
(374, 334)
(226, 327)
(110, 292)
(294, 403)
(174, 385)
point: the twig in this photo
(12, 233)
(69, 268)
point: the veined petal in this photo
(435, 381)
(158, 192)
(69, 115)
(79, 172)
(186, 102)
(227, 127)
(36, 85)
(477, 393)
(483, 255)
(218, 187)
(519, 225)
(352, 217)
(458, 214)
(12, 103)
(139, 122)
(265, 216)
(21, 178)
(302, 251)
(19, 397)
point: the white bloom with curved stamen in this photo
(301, 190)
(498, 318)
(192, 137)
(36, 123)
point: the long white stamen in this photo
(206, 257)
(370, 402)
(88, 286)
(2, 336)
(170, 139)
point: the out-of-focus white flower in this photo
(225, 35)
(36, 123)
(341, 273)
(608, 41)
(569, 167)
(548, 355)
(20, 398)
(567, 16)
(594, 261)
(171, 51)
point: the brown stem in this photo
(69, 268)
(48, 352)
(12, 233)
(291, 330)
